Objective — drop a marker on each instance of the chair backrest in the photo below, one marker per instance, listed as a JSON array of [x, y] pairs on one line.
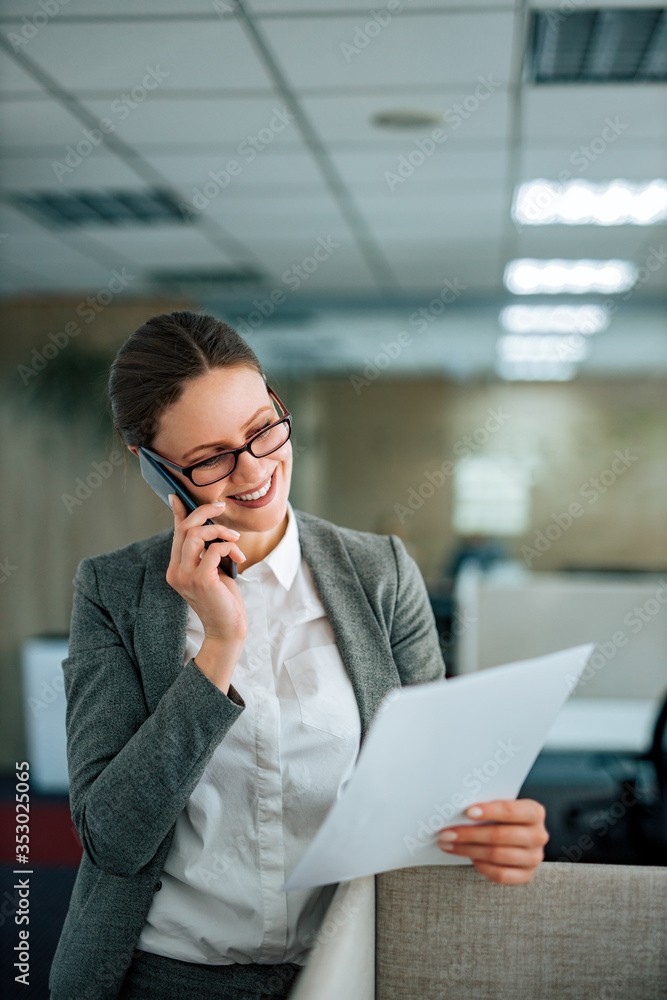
[[590, 932]]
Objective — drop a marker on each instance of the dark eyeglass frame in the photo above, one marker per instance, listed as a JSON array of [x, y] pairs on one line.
[[188, 470]]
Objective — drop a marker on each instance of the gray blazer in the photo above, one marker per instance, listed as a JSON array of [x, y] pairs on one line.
[[141, 727]]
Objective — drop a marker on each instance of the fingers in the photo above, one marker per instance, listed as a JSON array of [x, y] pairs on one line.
[[207, 572], [193, 550], [510, 811], [516, 857], [497, 833], [190, 533]]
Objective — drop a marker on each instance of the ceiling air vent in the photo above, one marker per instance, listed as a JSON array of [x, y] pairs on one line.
[[210, 279], [65, 209], [598, 46]]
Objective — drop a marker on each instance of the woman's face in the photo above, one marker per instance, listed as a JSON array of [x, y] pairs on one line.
[[218, 411]]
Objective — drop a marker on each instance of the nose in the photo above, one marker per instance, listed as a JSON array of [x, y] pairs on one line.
[[249, 470]]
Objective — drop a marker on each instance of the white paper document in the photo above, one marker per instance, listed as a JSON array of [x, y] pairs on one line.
[[433, 750]]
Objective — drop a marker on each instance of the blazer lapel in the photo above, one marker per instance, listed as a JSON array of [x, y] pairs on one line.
[[161, 625], [364, 646]]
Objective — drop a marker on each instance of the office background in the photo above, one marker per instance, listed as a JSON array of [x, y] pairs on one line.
[[383, 200]]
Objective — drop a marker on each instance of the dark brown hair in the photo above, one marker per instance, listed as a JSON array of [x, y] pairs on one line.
[[152, 367]]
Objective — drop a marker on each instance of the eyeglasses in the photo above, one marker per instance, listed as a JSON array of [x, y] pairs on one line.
[[219, 466]]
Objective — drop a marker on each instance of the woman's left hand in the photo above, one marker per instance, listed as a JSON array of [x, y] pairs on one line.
[[510, 847]]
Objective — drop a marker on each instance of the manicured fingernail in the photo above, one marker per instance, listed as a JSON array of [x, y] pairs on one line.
[[447, 847], [170, 498], [233, 532], [448, 835], [473, 812], [219, 503]]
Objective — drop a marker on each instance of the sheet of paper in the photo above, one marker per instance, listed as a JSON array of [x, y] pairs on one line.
[[432, 750]]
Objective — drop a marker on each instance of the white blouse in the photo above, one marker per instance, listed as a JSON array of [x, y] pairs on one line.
[[268, 786]]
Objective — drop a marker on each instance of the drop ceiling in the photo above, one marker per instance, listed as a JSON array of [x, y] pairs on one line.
[[305, 77]]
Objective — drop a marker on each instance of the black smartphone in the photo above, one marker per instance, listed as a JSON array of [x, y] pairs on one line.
[[163, 483]]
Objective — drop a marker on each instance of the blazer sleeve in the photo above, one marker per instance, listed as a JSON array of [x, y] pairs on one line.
[[130, 772], [414, 636]]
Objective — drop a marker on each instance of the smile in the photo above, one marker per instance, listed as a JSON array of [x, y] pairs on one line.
[[257, 494]]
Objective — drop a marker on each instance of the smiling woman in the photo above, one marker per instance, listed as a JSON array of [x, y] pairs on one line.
[[212, 722]]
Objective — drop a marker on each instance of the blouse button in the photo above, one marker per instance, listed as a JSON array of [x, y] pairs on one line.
[[158, 885]]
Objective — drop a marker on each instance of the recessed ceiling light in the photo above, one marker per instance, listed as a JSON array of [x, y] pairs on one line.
[[546, 347], [407, 118], [554, 319], [529, 277], [583, 203]]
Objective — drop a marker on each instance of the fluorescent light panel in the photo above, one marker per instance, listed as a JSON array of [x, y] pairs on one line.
[[527, 276], [554, 319], [584, 203]]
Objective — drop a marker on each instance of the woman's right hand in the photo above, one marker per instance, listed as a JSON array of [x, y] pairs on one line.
[[209, 591]]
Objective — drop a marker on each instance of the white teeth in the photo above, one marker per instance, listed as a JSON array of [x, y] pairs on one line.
[[257, 494]]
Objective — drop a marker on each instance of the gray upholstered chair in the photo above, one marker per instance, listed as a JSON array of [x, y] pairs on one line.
[[575, 932]]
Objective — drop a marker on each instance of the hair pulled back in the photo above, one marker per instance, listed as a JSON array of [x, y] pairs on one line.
[[152, 367]]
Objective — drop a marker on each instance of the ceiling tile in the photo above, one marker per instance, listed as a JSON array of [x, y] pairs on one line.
[[13, 79], [270, 166], [156, 54], [284, 8], [603, 116], [55, 259], [379, 169], [64, 170], [244, 127], [306, 225], [348, 118], [482, 212], [596, 242], [429, 50], [38, 123], [635, 160], [149, 248], [83, 8]]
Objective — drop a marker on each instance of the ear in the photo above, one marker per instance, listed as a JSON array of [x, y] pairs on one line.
[[133, 448]]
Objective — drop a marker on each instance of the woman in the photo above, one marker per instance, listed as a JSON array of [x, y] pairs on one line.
[[211, 722]]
